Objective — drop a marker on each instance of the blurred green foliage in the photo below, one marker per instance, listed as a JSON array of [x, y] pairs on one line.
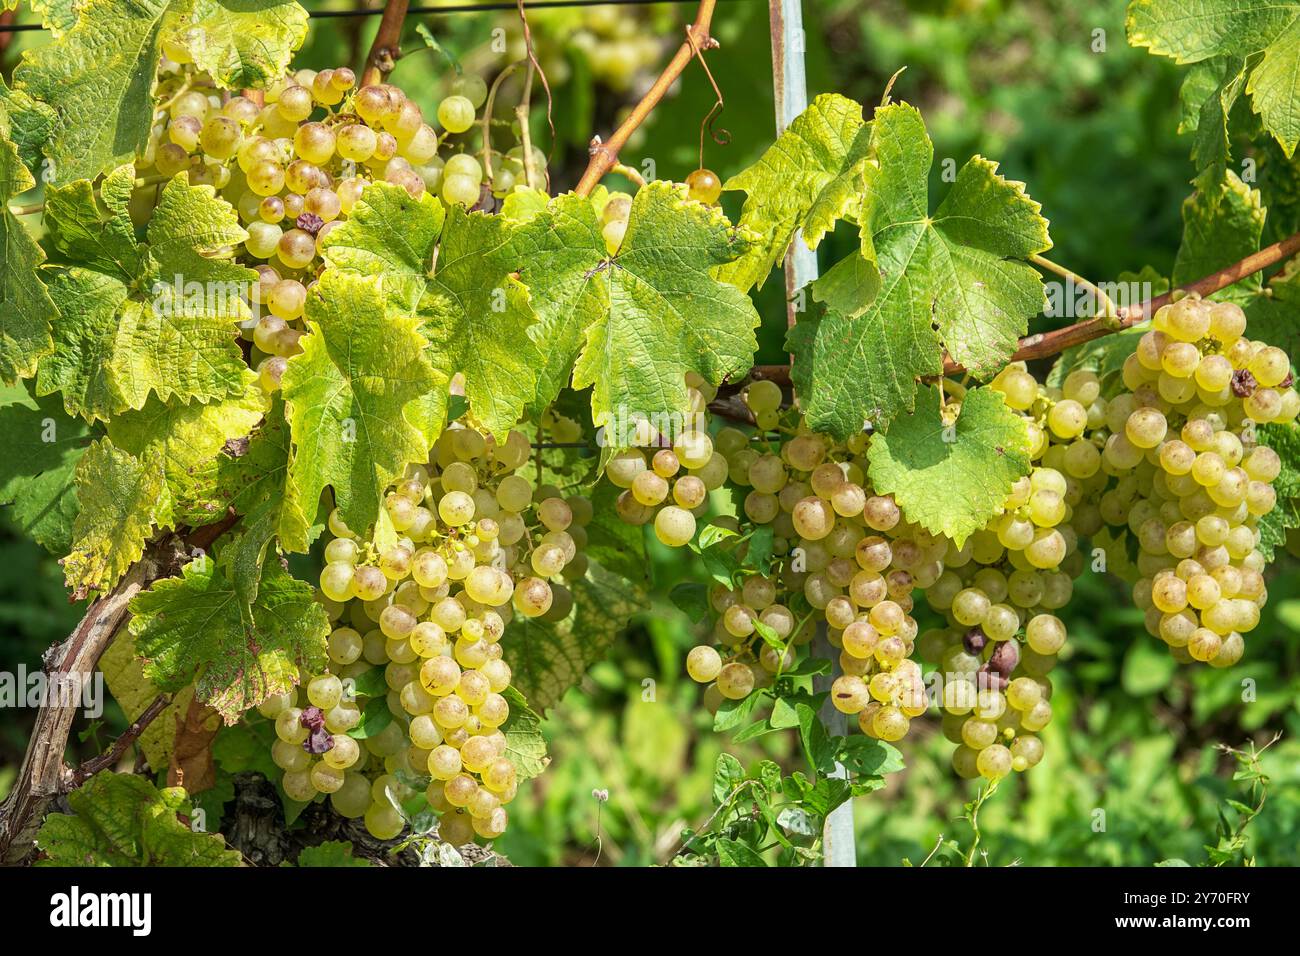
[[1050, 89]]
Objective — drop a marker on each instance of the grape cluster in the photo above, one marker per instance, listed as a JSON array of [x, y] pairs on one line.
[[474, 543], [295, 165], [1193, 478], [999, 590], [1174, 460], [684, 467], [841, 555]]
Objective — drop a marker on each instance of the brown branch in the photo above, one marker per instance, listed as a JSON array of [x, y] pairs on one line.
[[387, 48], [605, 154], [1052, 343], [110, 757]]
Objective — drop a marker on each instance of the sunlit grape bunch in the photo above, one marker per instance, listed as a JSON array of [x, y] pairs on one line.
[[1000, 588], [1193, 476], [841, 557], [470, 543], [294, 164], [682, 466]]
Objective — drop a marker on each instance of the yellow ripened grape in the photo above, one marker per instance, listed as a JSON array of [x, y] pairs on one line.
[[704, 186]]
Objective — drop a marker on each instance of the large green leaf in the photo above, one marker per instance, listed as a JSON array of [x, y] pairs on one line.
[[198, 628], [1192, 31], [636, 322], [812, 175], [472, 307], [361, 365], [124, 331], [119, 819], [951, 478], [953, 280], [244, 43], [121, 498], [662, 312], [98, 77]]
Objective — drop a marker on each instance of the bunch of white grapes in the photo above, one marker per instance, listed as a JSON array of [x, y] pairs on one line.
[[1193, 478], [294, 161], [666, 475], [1000, 588], [473, 543]]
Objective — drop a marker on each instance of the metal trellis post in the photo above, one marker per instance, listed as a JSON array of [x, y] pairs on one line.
[[790, 86]]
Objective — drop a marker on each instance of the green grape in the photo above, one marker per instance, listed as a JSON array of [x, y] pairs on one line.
[[456, 114]]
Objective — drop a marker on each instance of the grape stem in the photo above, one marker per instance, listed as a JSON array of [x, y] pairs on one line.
[[1108, 309], [522, 110], [637, 179], [110, 757], [387, 48], [604, 154], [487, 116], [1047, 344], [1057, 341]]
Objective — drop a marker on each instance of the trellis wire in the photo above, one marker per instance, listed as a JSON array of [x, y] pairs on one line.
[[451, 8], [790, 88]]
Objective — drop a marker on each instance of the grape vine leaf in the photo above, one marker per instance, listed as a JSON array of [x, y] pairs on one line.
[[812, 175], [139, 319], [244, 43], [98, 77], [951, 478], [250, 473], [124, 676], [31, 124], [121, 819], [639, 320], [1285, 440], [472, 309], [197, 627], [25, 305], [42, 447], [345, 393], [1209, 93], [525, 745], [57, 16], [549, 657], [188, 437], [951, 280], [1222, 224], [121, 498], [1191, 31], [331, 853]]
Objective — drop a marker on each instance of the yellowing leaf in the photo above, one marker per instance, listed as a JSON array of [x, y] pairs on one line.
[[197, 628], [122, 498], [345, 394], [99, 78], [119, 819], [139, 319]]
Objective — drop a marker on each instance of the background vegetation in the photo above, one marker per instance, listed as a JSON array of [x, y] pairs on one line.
[[1091, 125]]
